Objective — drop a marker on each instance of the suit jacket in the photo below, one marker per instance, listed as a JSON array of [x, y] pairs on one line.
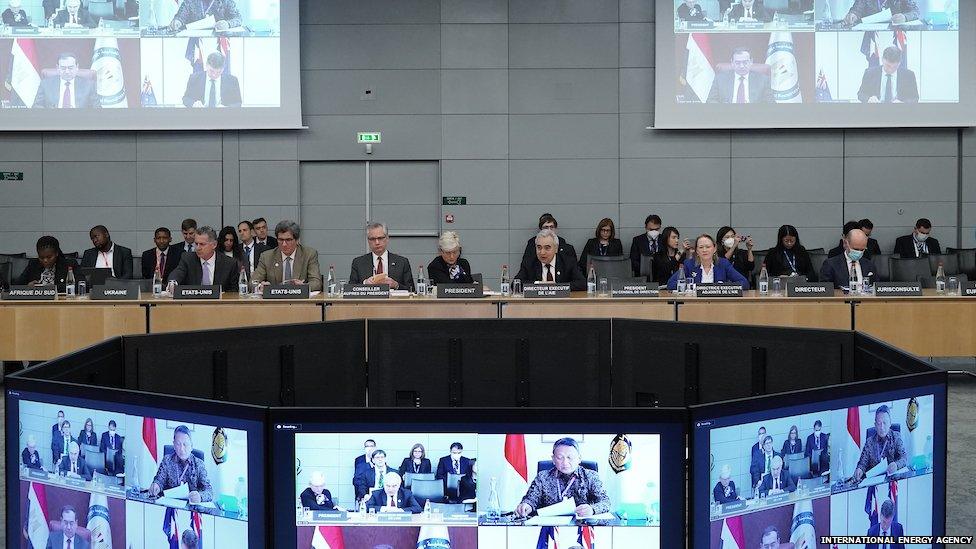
[[90, 440], [663, 266], [811, 446], [444, 466], [50, 7], [56, 541], [121, 260], [777, 265], [404, 500], [722, 271], [785, 482], [406, 466], [270, 242], [271, 268], [641, 245], [592, 248], [50, 91], [85, 19], [360, 460], [222, 10], [905, 246], [759, 13], [106, 440], [719, 493], [31, 460], [835, 270], [796, 448], [34, 270], [565, 249], [863, 8], [365, 478], [84, 471], [230, 89], [309, 501], [57, 445], [439, 273], [190, 272], [871, 84], [256, 252], [725, 83], [690, 14], [15, 19], [398, 269], [173, 254], [758, 465], [897, 530], [566, 271]]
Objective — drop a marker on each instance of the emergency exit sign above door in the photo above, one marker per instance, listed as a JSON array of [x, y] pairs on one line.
[[369, 137]]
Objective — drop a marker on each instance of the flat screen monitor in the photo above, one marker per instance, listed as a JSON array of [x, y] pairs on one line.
[[864, 459], [467, 478], [109, 468]]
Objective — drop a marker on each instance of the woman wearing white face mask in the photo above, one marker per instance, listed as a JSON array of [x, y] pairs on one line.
[[728, 247]]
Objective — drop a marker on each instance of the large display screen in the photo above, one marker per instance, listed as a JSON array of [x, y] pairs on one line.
[[814, 63], [479, 479], [107, 474], [868, 465], [153, 64]]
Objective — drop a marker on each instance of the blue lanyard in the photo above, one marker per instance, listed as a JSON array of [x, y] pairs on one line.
[[792, 262]]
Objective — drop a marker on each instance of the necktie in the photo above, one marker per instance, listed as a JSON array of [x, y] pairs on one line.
[[888, 98], [457, 468], [549, 273], [379, 265], [212, 99], [162, 262], [69, 544], [288, 273], [112, 443], [207, 279], [74, 467], [854, 268], [742, 90], [776, 483], [749, 13], [74, 19], [884, 534], [66, 99], [390, 502], [379, 479]]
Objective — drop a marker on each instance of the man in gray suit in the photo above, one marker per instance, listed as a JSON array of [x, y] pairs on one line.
[[379, 266], [741, 85], [68, 536], [290, 262]]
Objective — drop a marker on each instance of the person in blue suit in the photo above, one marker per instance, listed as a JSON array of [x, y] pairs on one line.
[[887, 527], [838, 269], [705, 267]]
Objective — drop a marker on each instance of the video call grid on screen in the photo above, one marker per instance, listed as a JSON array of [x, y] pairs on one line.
[[804, 63], [324, 458], [105, 474], [152, 64], [735, 497]]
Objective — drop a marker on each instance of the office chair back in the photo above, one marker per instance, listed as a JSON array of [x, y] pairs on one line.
[[817, 260], [408, 478], [168, 449], [950, 263], [929, 281], [882, 262], [647, 267], [611, 266], [95, 459], [967, 260], [909, 269], [428, 490]]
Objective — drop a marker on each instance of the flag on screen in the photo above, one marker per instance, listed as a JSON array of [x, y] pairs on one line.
[[851, 442], [148, 96], [170, 528], [869, 47], [547, 538], [515, 474], [699, 73], [823, 88], [783, 74], [733, 536], [147, 453], [223, 46], [35, 525], [328, 537], [98, 522], [196, 522], [194, 54], [893, 496], [434, 537], [899, 39], [24, 78], [109, 82], [158, 13], [586, 537], [803, 532]]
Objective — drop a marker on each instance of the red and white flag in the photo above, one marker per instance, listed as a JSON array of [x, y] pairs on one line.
[[25, 77], [35, 527], [328, 537], [851, 442], [733, 536], [147, 453], [515, 475], [699, 73]]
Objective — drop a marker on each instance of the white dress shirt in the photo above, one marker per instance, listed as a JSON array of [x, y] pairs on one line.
[[71, 87], [735, 87], [106, 260], [386, 262], [708, 275], [211, 264]]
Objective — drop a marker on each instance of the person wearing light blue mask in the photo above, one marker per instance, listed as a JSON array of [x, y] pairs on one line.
[[839, 269]]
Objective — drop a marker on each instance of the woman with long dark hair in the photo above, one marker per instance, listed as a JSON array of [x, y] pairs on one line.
[[788, 257]]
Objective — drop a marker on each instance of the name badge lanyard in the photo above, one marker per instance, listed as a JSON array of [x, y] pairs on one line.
[[791, 262], [564, 491]]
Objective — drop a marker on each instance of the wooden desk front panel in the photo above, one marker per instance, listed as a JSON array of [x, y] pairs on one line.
[[179, 317], [925, 327], [796, 313], [42, 331], [579, 308], [413, 308]]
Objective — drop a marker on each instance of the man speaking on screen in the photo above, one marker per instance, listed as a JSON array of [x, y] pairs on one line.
[[66, 90], [213, 87], [902, 11], [224, 12]]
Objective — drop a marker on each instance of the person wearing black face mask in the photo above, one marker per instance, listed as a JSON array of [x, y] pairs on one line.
[[789, 257], [647, 243]]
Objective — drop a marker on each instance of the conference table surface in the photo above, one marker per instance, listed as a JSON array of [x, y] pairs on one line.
[[930, 325]]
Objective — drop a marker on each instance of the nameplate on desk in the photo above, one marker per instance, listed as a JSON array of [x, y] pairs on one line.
[[968, 289], [810, 289], [897, 288], [546, 290], [330, 516], [719, 290], [31, 293], [197, 292], [778, 498], [286, 291], [734, 506], [25, 30], [460, 290], [101, 293], [366, 291], [697, 25], [76, 482], [395, 517], [74, 32], [39, 474], [460, 517], [640, 289], [744, 25]]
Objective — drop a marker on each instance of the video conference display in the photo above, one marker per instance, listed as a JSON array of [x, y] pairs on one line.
[[725, 63], [101, 475], [220, 63], [865, 467]]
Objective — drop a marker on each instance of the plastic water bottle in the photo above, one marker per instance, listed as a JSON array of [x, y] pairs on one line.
[[763, 281], [421, 282], [940, 280], [69, 282], [242, 282], [240, 492], [330, 283], [157, 284], [866, 287], [682, 286], [362, 507], [494, 510], [591, 282], [427, 511], [505, 285]]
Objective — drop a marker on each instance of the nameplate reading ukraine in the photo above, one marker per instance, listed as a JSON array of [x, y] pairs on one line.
[[968, 289], [104, 293], [897, 289], [810, 289], [546, 290], [286, 291], [197, 292], [719, 290], [366, 291], [641, 289], [31, 293], [460, 291]]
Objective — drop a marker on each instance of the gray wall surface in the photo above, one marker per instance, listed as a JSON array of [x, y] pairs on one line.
[[522, 106]]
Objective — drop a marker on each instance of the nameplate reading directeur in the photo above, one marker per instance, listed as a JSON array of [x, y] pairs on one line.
[[897, 289], [30, 293], [460, 291], [366, 291], [547, 290], [105, 293], [286, 291], [719, 290], [643, 289], [810, 289], [197, 292]]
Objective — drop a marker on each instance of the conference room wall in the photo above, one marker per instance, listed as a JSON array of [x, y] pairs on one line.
[[529, 106]]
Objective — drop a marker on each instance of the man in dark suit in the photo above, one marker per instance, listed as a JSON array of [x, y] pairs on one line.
[[107, 254], [68, 535], [920, 243], [886, 527], [206, 266], [453, 463], [838, 269], [189, 229], [250, 249], [392, 498], [873, 247], [750, 10], [371, 476], [840, 249], [380, 266], [73, 464], [61, 442], [110, 440], [645, 243], [56, 449], [212, 88], [547, 221], [762, 463], [261, 233], [50, 7], [75, 15], [902, 11], [362, 459], [66, 90], [778, 481], [224, 12], [741, 85], [13, 16], [163, 257], [889, 83], [550, 266], [316, 497], [816, 449]]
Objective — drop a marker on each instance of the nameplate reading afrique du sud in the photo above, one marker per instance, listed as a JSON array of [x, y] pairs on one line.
[[968, 289], [460, 291], [30, 293], [897, 288], [366, 291], [638, 289], [719, 290], [120, 293], [810, 289], [286, 291], [197, 292], [546, 290]]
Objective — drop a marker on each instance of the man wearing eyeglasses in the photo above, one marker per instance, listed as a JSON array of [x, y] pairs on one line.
[[741, 85], [380, 266], [291, 262]]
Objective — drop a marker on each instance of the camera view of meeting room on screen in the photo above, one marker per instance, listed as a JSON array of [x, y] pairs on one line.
[[862, 469]]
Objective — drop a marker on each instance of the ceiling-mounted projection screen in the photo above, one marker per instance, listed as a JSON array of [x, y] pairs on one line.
[[814, 63], [151, 64]]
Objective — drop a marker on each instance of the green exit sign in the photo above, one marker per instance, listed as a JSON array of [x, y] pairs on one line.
[[369, 137], [11, 176]]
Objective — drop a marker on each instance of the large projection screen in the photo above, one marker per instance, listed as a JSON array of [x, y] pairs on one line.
[[814, 64], [151, 65]]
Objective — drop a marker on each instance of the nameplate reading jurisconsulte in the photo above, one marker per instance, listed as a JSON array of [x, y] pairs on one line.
[[286, 291], [897, 289], [197, 292], [30, 293], [547, 290]]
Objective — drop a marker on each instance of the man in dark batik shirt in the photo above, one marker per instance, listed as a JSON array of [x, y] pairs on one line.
[[225, 13], [567, 480], [886, 443], [182, 467]]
